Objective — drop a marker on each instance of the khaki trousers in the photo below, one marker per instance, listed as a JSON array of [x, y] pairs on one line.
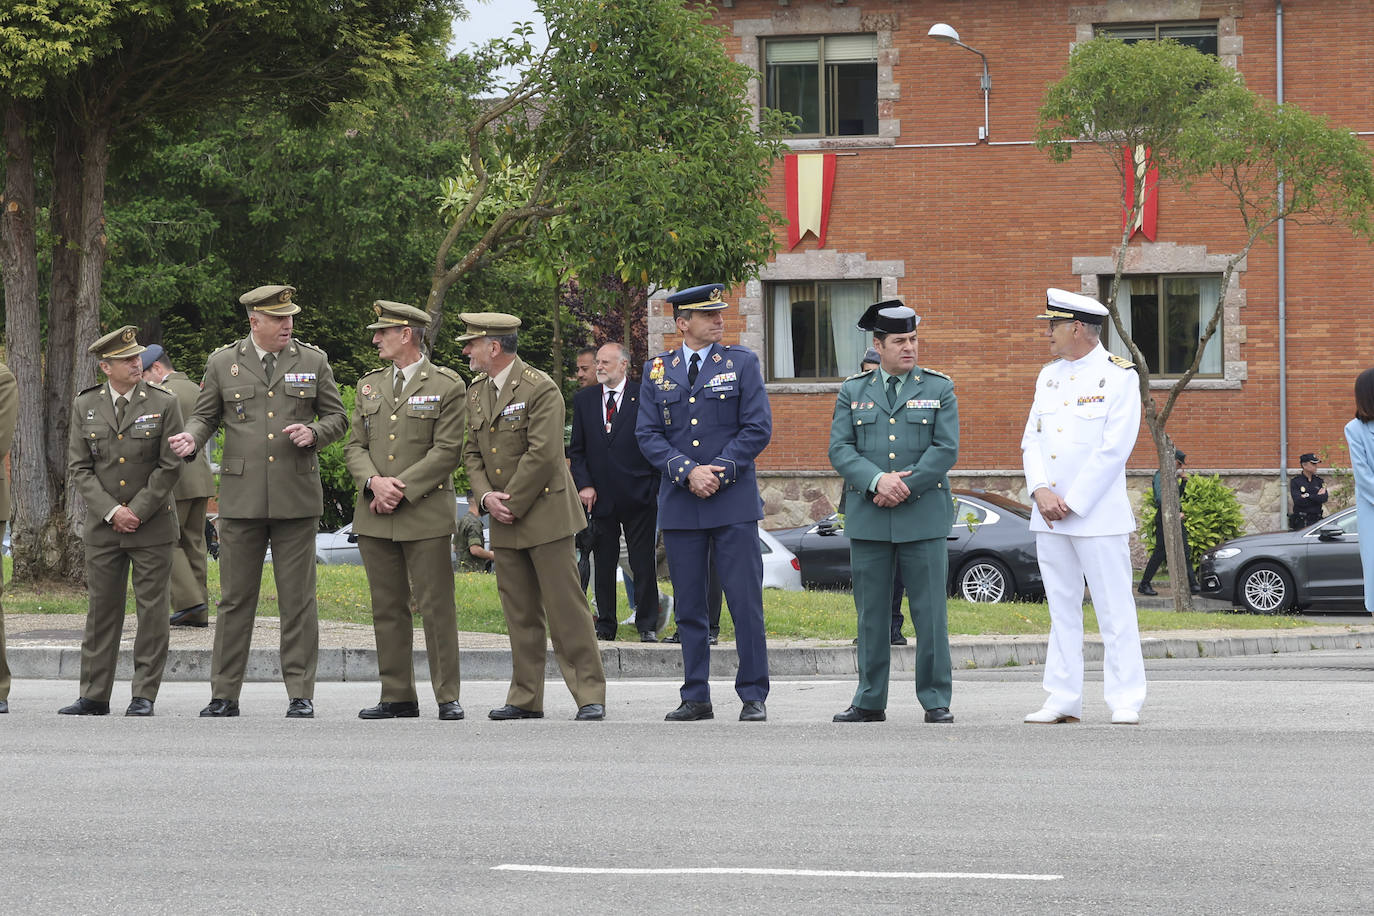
[[107, 580], [188, 556], [395, 571], [539, 584], [242, 544]]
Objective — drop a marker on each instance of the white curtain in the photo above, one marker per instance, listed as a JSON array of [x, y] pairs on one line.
[[847, 304], [784, 365], [1123, 305], [1209, 291]]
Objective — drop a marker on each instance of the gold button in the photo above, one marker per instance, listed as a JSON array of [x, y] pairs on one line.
[[120, 436], [696, 442], [892, 454], [892, 419], [498, 472], [858, 422], [271, 394], [1061, 429], [691, 400], [546, 489], [390, 457], [271, 457], [393, 416], [722, 397], [1066, 403], [270, 415], [271, 435], [237, 395], [493, 451], [694, 421], [1052, 457], [939, 486], [92, 435], [121, 460], [891, 438], [925, 421], [392, 436]]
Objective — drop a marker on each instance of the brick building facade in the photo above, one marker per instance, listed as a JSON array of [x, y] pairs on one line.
[[970, 231]]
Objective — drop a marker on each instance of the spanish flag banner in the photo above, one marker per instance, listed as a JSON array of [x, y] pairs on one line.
[[810, 179], [1138, 167]]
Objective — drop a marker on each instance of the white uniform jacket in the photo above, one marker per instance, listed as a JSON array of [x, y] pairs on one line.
[[1083, 425]]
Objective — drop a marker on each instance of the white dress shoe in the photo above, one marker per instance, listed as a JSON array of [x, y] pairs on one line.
[[1125, 717], [1048, 716]]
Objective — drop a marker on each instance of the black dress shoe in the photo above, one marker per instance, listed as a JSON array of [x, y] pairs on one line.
[[753, 711], [301, 708], [515, 712], [940, 715], [198, 616], [220, 709], [690, 711], [898, 639], [1146, 588], [4, 707], [856, 714], [85, 707], [606, 637], [590, 712], [712, 640], [648, 636], [402, 709], [451, 711], [674, 639], [139, 707]]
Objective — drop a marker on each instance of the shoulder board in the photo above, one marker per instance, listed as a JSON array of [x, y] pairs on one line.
[[1052, 362], [309, 346], [864, 374], [445, 370], [160, 387], [479, 377], [373, 372], [929, 371], [95, 387], [1121, 361], [535, 375], [225, 347]]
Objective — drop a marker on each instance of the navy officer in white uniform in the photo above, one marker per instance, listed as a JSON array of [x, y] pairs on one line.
[[1083, 425]]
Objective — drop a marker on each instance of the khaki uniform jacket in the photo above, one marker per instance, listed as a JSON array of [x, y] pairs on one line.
[[196, 481], [263, 474], [515, 445], [129, 464], [9, 415], [416, 436]]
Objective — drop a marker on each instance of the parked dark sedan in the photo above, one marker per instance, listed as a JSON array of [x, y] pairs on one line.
[[991, 550], [1315, 567]]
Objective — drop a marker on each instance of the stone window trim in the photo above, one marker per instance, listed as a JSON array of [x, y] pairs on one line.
[[827, 20], [1171, 258], [1230, 45]]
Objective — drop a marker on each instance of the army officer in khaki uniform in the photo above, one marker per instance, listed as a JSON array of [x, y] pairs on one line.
[[514, 458], [406, 442], [119, 458], [192, 493], [276, 399]]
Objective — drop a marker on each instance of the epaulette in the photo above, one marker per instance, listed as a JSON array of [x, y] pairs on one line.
[[310, 346], [373, 372], [1121, 361], [445, 370], [95, 387], [158, 386], [863, 373], [225, 347], [536, 375], [479, 377], [1052, 362], [929, 371]]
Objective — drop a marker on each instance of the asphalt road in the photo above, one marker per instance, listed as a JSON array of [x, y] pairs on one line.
[[1245, 790]]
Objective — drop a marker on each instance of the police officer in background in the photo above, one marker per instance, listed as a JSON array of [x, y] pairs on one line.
[[276, 399], [1082, 427], [703, 420], [406, 442], [893, 438], [120, 460], [514, 459], [192, 493], [1308, 492]]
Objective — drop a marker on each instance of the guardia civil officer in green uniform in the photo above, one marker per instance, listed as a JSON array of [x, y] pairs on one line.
[[893, 439], [192, 493], [277, 402], [405, 444], [514, 459], [120, 460]]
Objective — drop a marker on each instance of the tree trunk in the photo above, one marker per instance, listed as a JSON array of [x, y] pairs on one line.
[[1171, 512], [557, 355]]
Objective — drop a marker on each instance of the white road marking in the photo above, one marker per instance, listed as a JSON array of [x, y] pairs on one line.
[[776, 872]]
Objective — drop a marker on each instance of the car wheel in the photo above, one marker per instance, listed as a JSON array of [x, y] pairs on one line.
[[1266, 588], [984, 580]]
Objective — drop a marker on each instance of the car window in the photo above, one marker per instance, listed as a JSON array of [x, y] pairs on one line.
[[763, 546], [966, 512], [1349, 523]]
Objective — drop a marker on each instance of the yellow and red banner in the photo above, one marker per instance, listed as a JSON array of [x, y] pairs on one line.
[[809, 179], [1137, 169]]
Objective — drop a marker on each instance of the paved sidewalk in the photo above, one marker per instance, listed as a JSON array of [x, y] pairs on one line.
[[49, 646]]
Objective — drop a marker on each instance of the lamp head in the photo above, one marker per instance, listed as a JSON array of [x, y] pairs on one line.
[[943, 32]]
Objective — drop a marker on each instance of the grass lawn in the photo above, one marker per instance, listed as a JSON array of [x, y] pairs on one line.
[[343, 595]]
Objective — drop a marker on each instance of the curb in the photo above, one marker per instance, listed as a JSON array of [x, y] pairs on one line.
[[336, 664]]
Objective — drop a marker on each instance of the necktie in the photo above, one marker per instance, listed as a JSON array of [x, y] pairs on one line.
[[121, 402], [269, 362], [892, 383], [693, 369], [610, 409], [398, 382]]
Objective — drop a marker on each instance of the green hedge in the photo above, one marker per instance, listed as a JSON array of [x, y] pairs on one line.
[[1211, 514]]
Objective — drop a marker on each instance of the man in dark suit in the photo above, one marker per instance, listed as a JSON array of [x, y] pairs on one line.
[[704, 421], [619, 487]]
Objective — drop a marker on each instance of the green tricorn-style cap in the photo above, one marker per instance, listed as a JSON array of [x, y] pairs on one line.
[[487, 324], [271, 300], [397, 315], [119, 344]]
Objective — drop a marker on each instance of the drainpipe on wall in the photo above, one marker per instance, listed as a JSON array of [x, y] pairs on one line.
[[1283, 297]]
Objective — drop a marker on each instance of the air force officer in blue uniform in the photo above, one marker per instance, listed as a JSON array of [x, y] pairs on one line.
[[703, 419]]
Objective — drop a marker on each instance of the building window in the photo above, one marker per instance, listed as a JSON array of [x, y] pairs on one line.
[[1199, 35], [1165, 315], [811, 328], [829, 83]]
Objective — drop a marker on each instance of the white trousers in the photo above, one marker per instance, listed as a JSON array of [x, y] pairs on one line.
[[1105, 563]]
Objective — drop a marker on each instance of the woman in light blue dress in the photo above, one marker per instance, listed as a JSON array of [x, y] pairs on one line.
[[1359, 435]]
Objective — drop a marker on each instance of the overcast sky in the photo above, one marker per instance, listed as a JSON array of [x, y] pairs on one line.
[[495, 19]]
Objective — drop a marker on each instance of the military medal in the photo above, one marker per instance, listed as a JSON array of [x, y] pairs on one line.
[[367, 390], [715, 357], [656, 370], [234, 370]]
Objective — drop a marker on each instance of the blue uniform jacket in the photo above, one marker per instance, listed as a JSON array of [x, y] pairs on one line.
[[723, 420]]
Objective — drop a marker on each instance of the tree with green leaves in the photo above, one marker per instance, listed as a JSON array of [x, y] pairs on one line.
[[1171, 108], [80, 79], [625, 149]]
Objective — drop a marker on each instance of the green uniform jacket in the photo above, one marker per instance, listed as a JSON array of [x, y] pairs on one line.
[[417, 437], [196, 481], [9, 415], [129, 464], [263, 474], [515, 444], [920, 435]]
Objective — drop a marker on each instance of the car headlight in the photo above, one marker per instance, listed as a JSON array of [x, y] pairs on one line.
[[1225, 553]]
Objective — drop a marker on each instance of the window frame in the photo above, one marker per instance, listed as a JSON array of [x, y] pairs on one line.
[[1161, 329], [827, 101], [771, 340], [1109, 28]]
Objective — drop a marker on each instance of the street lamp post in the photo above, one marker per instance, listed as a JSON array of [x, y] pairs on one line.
[[946, 33]]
